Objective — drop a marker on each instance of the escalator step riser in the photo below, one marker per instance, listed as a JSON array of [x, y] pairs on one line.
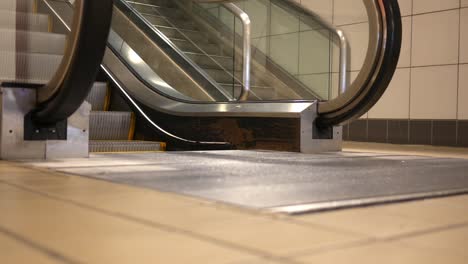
[[32, 42], [264, 93], [26, 6], [187, 46], [220, 76], [157, 20], [24, 21], [119, 146], [193, 35], [29, 67], [163, 3], [206, 62], [110, 125], [97, 96]]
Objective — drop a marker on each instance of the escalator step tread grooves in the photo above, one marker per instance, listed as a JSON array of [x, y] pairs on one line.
[[38, 57], [112, 131], [125, 146], [210, 55]]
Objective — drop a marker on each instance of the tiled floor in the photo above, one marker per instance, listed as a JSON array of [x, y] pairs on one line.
[[48, 217]]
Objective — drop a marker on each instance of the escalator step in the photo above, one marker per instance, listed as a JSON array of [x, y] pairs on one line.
[[187, 46], [163, 3], [24, 21], [209, 61], [125, 146], [110, 125], [98, 96], [30, 67], [31, 42]]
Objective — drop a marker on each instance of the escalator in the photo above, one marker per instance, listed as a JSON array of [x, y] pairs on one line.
[[215, 75]]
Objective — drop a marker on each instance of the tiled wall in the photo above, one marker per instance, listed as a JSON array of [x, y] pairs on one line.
[[303, 49], [427, 101]]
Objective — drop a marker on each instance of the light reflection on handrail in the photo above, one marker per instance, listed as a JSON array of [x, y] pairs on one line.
[[247, 49]]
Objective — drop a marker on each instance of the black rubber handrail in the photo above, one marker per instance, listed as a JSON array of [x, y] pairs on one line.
[[69, 87]]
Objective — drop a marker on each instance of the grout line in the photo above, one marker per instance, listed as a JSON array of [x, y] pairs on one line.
[[156, 225], [375, 240], [436, 11], [458, 74], [408, 136], [426, 232], [31, 244]]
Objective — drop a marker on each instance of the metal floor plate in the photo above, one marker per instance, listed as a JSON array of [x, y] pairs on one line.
[[279, 181]]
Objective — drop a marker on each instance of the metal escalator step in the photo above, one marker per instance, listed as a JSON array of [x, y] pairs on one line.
[[187, 46], [208, 62], [24, 21], [164, 3], [113, 125], [172, 32], [97, 146], [17, 5], [98, 96], [258, 92], [156, 20], [220, 75], [28, 67], [32, 42]]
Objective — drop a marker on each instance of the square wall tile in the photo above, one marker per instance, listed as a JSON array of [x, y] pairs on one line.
[[405, 53], [420, 132], [462, 133], [261, 44], [377, 130], [358, 130], [464, 3], [444, 133], [283, 21], [394, 104], [314, 50], [464, 35], [324, 8], [318, 83], [349, 12], [463, 93], [258, 12], [435, 38], [434, 92], [406, 7], [398, 131], [424, 6], [284, 50], [358, 38]]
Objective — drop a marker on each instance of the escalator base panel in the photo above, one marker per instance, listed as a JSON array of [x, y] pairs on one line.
[[279, 181], [125, 146]]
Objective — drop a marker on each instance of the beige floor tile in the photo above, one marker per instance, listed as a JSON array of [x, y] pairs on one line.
[[276, 237], [438, 211], [92, 237], [14, 252], [265, 261], [451, 241], [247, 230], [384, 253], [371, 221]]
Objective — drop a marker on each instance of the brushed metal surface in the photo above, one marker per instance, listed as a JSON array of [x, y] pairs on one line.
[[269, 180], [16, 103], [76, 145]]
